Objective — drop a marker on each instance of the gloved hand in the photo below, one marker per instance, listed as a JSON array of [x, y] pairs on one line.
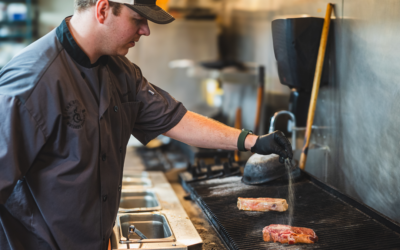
[[274, 143]]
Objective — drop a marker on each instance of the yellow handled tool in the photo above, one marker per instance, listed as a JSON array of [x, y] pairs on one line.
[[316, 83]]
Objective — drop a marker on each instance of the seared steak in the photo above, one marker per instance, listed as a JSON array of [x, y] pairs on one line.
[[289, 234], [262, 204]]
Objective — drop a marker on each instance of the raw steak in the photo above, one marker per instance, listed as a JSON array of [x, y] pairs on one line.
[[262, 204], [288, 234]]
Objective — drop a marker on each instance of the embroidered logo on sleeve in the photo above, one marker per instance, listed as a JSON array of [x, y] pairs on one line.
[[151, 92], [74, 115]]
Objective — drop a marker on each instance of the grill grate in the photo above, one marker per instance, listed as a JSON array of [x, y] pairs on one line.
[[337, 224]]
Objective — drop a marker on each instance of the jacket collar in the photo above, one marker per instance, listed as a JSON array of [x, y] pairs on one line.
[[66, 39]]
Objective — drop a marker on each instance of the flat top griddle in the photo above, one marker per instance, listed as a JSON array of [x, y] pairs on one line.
[[338, 221]]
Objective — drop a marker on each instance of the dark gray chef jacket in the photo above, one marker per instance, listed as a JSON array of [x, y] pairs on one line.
[[64, 128]]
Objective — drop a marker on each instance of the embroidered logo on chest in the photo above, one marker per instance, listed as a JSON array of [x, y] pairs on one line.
[[74, 115]]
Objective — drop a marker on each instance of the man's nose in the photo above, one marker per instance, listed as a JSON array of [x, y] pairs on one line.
[[145, 30]]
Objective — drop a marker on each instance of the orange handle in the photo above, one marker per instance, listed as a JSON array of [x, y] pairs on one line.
[[316, 83]]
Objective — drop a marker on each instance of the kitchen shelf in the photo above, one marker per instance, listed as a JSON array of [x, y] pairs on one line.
[[15, 35], [29, 23]]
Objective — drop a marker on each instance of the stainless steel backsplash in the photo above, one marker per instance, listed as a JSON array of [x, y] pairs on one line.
[[360, 104]]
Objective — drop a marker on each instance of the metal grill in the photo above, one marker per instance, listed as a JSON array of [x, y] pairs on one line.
[[338, 221]]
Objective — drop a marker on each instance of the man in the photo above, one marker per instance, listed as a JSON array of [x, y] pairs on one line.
[[68, 105]]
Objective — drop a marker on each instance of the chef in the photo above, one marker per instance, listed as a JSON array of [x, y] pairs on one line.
[[68, 105]]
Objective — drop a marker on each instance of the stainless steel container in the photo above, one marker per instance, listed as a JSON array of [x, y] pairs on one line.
[[136, 201], [136, 183], [154, 226]]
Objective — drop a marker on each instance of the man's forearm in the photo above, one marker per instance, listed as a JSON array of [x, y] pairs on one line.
[[203, 132]]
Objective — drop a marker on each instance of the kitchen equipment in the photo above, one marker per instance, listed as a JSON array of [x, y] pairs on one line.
[[138, 201], [202, 171], [129, 183], [221, 64], [316, 84], [154, 226], [165, 158], [261, 169], [296, 41], [339, 221], [133, 230], [170, 228], [291, 125]]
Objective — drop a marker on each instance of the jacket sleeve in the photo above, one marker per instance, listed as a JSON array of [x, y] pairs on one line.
[[20, 141], [158, 113]]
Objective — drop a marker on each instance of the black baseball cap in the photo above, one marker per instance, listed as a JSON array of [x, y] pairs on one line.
[[148, 9]]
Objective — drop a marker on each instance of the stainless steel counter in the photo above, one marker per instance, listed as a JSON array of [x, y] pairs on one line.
[[185, 233], [181, 212]]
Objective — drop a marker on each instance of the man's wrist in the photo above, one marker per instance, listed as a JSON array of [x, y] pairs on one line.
[[250, 141], [241, 142]]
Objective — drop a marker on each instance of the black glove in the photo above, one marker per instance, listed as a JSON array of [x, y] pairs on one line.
[[274, 143]]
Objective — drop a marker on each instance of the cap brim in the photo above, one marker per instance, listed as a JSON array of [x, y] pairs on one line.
[[152, 13]]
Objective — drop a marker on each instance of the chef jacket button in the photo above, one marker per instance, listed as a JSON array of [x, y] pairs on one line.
[[116, 108], [104, 157], [120, 149], [104, 238], [83, 75], [119, 188], [104, 197]]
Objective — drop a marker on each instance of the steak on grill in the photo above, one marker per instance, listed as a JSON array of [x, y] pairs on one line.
[[289, 234], [262, 204]]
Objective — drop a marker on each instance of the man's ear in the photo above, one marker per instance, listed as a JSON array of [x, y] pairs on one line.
[[102, 10]]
